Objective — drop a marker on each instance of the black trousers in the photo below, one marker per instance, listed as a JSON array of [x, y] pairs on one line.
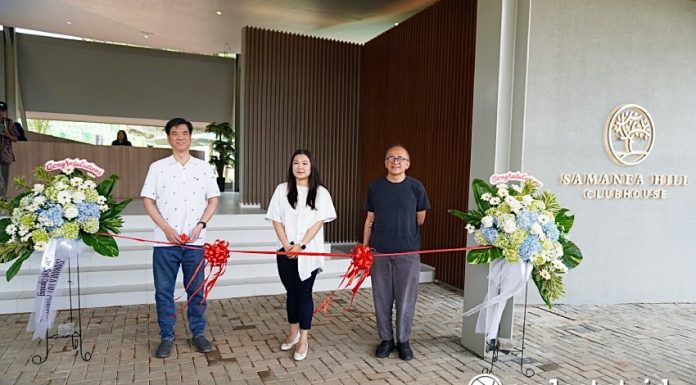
[[299, 304]]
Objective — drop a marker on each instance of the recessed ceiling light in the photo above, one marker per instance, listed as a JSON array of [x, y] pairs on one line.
[[68, 22], [396, 23], [146, 36], [218, 12]]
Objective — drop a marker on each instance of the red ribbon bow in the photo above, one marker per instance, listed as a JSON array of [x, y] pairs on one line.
[[358, 271], [184, 238], [216, 256]]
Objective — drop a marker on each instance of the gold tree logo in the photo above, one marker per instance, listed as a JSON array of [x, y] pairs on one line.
[[629, 134]]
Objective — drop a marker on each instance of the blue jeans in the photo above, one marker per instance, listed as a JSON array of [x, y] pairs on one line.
[[165, 267], [299, 304]]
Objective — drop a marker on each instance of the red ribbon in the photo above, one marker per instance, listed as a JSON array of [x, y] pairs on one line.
[[361, 256], [184, 238], [358, 271], [215, 257]]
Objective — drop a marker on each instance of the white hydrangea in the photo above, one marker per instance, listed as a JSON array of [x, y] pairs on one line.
[[514, 204], [558, 251], [39, 200], [544, 219], [509, 226], [60, 186], [38, 188], [536, 229], [487, 221], [527, 199], [78, 196], [71, 212]]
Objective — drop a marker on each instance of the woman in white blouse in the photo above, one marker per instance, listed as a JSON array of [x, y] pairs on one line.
[[298, 209]]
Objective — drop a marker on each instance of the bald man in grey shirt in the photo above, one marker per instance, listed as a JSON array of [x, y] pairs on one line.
[[396, 206]]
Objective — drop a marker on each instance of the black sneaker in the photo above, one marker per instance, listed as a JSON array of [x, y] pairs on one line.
[[405, 352], [385, 348], [164, 349], [202, 344]]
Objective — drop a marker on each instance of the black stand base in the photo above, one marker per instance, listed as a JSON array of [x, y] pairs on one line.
[[76, 336], [493, 346]]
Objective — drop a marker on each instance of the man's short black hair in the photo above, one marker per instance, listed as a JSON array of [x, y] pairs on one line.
[[176, 122]]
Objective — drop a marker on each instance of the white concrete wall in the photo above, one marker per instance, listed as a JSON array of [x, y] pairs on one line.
[[585, 58]]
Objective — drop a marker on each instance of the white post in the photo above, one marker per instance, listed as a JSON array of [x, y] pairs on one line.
[[502, 37]]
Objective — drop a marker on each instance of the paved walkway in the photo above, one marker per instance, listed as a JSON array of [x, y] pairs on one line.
[[574, 344]]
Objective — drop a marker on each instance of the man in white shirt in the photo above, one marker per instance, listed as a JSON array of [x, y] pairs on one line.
[[180, 195]]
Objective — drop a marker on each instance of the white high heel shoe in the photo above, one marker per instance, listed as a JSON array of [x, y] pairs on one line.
[[286, 347], [300, 356]]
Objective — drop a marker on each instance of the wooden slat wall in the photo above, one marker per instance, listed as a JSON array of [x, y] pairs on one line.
[[301, 92], [417, 90]]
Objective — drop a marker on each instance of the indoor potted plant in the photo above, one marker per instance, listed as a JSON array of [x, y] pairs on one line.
[[222, 149]]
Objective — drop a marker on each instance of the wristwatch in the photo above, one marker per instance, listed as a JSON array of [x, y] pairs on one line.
[[302, 245], [202, 223]]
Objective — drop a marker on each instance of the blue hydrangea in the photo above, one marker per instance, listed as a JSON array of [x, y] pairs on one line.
[[526, 219], [87, 210], [490, 233], [53, 213], [551, 231], [529, 246]]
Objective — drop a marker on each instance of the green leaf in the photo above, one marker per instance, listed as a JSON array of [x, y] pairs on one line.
[[564, 221], [480, 187], [101, 244], [542, 293], [107, 186], [16, 199], [472, 217], [550, 201], [14, 269], [572, 256], [4, 237], [479, 256], [117, 208]]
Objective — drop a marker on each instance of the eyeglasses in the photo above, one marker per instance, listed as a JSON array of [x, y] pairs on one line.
[[396, 159]]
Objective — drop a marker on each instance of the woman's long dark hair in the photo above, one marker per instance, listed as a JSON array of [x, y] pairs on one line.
[[314, 181]]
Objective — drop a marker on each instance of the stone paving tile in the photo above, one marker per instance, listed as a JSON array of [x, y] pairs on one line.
[[570, 344]]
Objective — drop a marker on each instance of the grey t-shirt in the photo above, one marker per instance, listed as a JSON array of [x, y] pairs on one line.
[[395, 228]]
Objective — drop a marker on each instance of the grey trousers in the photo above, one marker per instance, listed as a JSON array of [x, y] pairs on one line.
[[395, 282], [4, 178]]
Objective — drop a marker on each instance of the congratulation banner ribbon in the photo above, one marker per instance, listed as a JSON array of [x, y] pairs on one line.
[[216, 255]]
